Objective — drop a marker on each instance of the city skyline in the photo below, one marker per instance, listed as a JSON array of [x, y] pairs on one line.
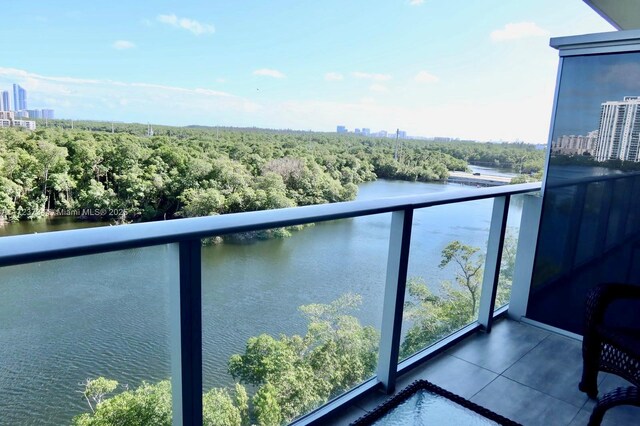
[[20, 106], [616, 138], [389, 64]]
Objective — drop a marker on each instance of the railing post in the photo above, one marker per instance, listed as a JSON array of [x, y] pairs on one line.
[[396, 282], [186, 327], [491, 277], [525, 256]]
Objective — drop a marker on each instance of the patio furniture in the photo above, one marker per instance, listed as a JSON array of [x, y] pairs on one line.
[[611, 346]]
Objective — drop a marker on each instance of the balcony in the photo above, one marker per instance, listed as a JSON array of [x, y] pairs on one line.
[[514, 366], [521, 371]]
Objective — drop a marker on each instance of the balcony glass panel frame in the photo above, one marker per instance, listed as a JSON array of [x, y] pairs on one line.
[[187, 235]]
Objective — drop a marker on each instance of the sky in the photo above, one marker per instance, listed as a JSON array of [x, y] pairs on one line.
[[471, 69]]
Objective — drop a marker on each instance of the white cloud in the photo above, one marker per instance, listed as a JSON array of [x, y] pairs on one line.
[[333, 76], [371, 76], [376, 87], [192, 25], [522, 117], [266, 72], [513, 31], [221, 80], [416, 2], [123, 44], [126, 101], [14, 72], [425, 77]]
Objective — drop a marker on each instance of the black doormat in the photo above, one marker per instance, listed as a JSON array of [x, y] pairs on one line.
[[423, 403]]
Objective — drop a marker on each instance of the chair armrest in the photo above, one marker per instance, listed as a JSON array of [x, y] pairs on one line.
[[601, 296]]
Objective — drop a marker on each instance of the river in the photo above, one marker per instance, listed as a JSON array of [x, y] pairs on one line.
[[63, 321]]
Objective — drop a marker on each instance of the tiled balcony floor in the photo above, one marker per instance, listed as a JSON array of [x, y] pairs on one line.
[[525, 373]]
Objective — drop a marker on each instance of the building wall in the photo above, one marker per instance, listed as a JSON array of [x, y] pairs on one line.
[[619, 131]]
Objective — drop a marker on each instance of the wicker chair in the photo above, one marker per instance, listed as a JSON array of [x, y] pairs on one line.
[[609, 348]]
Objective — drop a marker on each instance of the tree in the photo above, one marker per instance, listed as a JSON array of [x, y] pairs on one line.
[[469, 269], [300, 373], [219, 408], [49, 155], [95, 390], [266, 406], [150, 405], [434, 316]]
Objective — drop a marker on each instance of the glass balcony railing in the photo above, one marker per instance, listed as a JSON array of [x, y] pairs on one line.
[[329, 309], [66, 323]]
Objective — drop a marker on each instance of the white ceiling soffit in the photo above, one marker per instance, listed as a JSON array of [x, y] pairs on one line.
[[622, 14]]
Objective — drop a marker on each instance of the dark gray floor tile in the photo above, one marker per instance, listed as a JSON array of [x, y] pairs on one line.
[[581, 419], [375, 399], [457, 376], [524, 405], [450, 373], [352, 414], [618, 416], [500, 349], [553, 367]]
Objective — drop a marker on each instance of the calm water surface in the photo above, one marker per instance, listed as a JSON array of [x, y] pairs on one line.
[[63, 321]]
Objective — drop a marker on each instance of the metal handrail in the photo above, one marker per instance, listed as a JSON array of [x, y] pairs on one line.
[[20, 249]]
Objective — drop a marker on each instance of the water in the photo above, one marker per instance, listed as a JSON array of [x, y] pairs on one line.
[[63, 321]]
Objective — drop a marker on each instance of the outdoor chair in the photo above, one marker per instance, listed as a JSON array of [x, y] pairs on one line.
[[611, 345]]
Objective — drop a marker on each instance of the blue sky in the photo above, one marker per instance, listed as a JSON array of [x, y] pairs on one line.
[[478, 69]]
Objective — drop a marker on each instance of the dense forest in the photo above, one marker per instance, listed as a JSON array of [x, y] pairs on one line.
[[99, 170]]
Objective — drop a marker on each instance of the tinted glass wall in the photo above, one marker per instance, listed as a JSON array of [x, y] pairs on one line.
[[590, 216]]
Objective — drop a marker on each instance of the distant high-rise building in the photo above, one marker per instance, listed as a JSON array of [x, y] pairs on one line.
[[382, 133], [47, 113], [341, 129], [356, 131], [619, 131], [366, 131], [15, 97], [34, 113], [575, 144], [402, 134], [4, 101], [19, 98]]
